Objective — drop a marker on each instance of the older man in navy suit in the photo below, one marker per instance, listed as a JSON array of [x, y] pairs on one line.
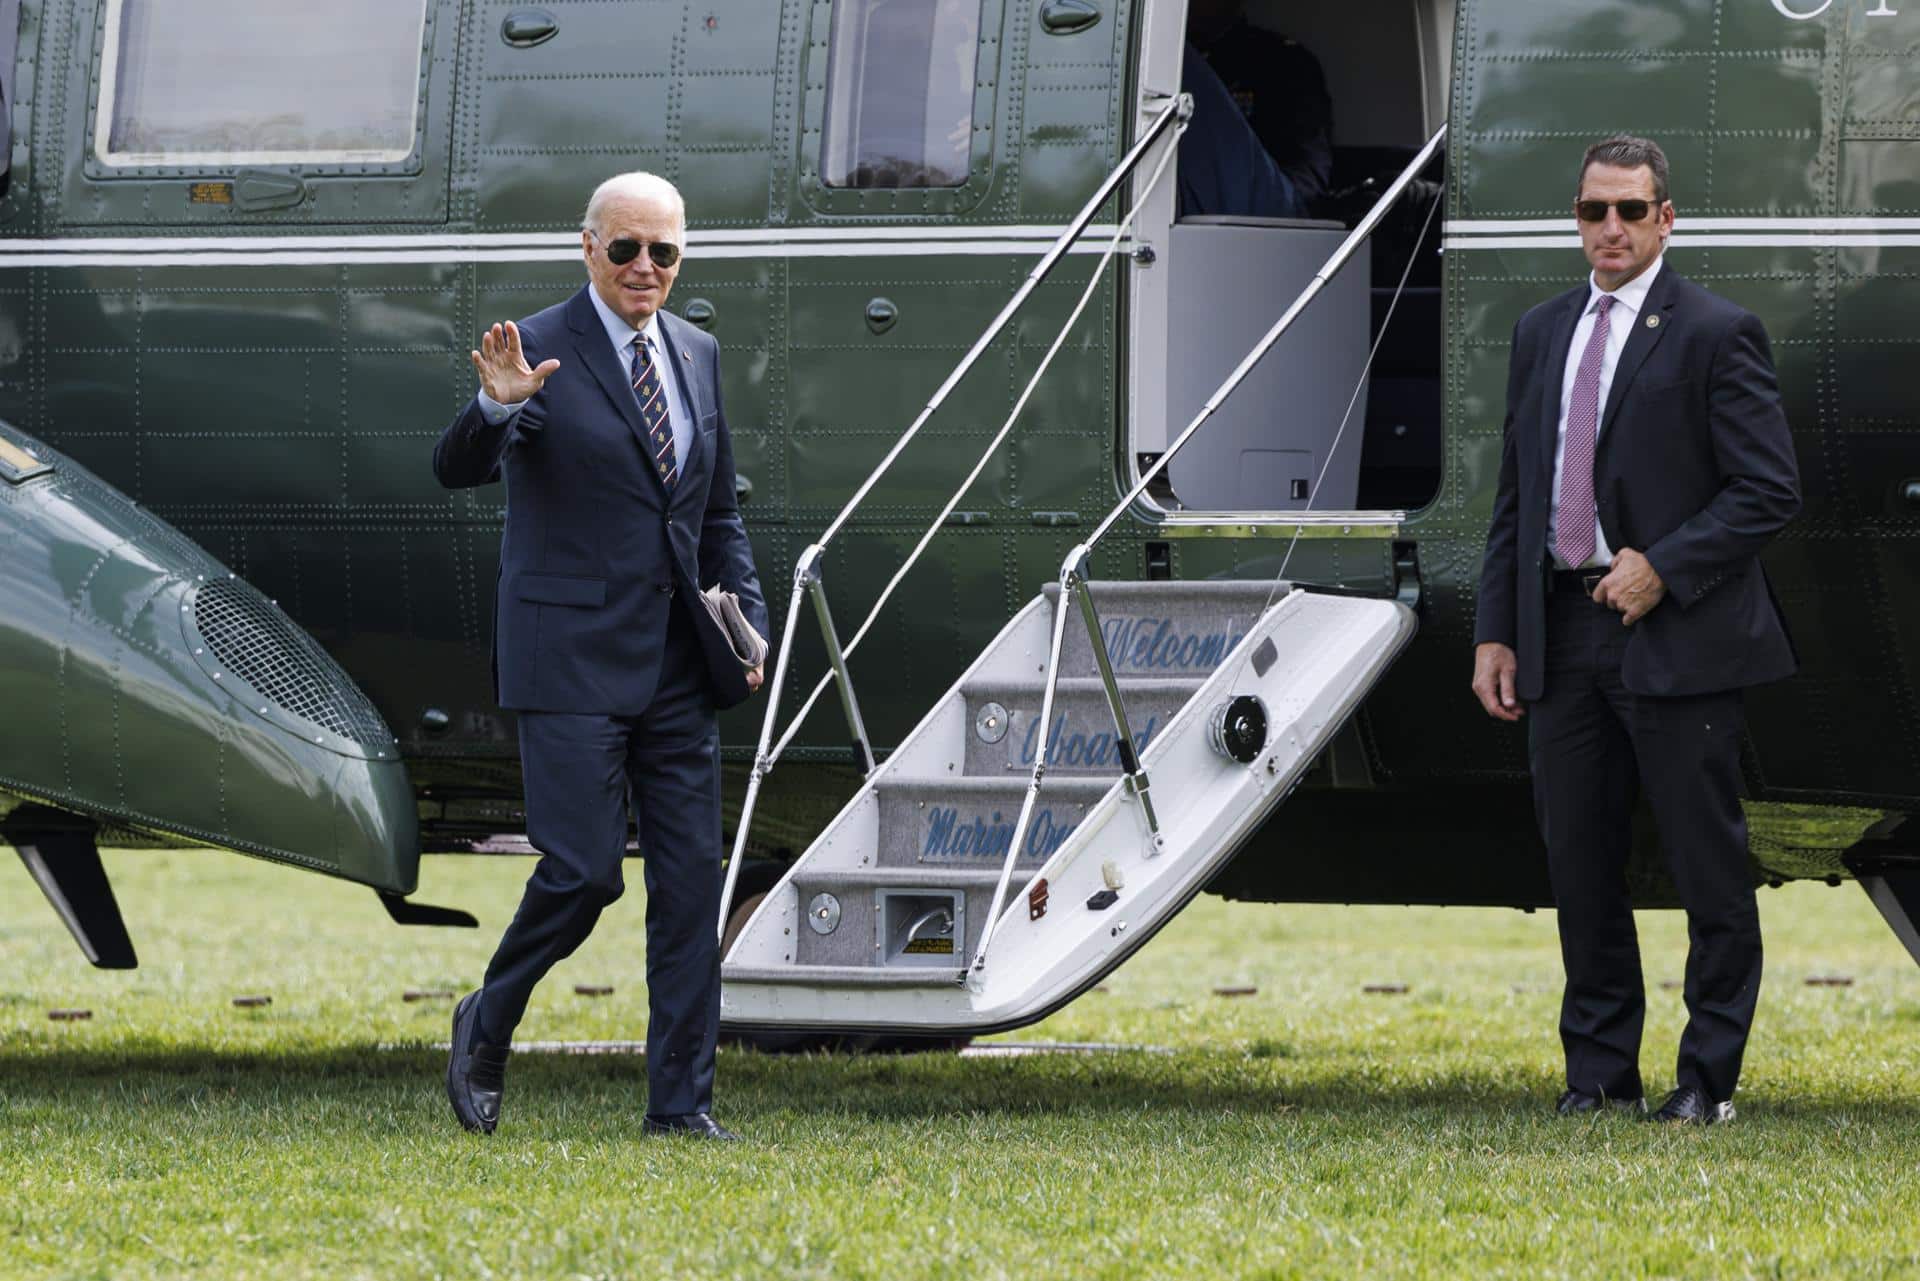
[[602, 414], [1624, 609]]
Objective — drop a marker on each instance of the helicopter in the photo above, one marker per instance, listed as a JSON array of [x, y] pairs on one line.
[[244, 249]]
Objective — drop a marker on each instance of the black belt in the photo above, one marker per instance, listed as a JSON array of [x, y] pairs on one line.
[[1578, 580]]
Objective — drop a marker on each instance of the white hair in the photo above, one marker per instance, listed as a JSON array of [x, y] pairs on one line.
[[635, 186]]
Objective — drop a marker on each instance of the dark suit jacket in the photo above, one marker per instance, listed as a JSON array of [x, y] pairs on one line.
[[1694, 469], [594, 557], [1223, 168]]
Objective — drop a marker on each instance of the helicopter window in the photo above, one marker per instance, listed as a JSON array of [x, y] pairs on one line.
[[190, 82], [900, 81]]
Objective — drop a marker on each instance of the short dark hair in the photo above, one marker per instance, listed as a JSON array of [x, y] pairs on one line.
[[1624, 151]]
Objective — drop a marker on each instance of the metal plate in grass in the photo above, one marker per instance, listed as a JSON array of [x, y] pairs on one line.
[[994, 1050]]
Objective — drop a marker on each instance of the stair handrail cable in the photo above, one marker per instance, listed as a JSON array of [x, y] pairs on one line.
[[807, 579], [1362, 232], [1360, 384], [1179, 107], [986, 455], [1074, 569]]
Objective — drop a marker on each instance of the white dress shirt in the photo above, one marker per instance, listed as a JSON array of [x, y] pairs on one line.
[[620, 337], [1628, 299]]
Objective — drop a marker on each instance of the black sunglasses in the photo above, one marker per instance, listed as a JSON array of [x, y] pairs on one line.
[[1596, 210], [623, 251]]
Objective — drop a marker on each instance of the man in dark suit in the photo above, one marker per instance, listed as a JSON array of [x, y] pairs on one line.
[[1623, 607], [603, 415]]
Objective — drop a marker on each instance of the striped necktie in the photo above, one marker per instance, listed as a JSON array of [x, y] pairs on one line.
[[653, 413], [1573, 527]]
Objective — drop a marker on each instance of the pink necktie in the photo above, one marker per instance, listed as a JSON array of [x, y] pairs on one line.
[[1573, 525]]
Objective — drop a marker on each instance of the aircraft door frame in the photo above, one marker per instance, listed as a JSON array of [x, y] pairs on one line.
[[20, 31], [213, 193], [1152, 289], [1162, 34]]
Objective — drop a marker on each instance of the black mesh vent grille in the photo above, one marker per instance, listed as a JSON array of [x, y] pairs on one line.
[[256, 642]]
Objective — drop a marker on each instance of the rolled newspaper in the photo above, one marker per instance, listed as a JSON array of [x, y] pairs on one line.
[[749, 646]]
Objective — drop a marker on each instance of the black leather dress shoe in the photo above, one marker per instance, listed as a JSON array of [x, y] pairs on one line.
[[476, 1072], [1579, 1103], [1687, 1106], [698, 1125]]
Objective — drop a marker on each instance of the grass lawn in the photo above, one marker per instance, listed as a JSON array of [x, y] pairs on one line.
[[1308, 1130]]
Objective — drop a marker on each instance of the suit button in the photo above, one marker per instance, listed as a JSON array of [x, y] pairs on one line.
[[667, 588]]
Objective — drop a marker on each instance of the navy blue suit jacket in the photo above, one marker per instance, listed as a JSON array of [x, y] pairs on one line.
[[1223, 167], [1694, 469], [594, 555]]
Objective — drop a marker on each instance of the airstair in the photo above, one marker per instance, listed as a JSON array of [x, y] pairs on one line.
[[881, 924], [1106, 754]]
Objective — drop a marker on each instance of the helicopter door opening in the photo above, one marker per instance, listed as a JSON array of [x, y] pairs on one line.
[[1315, 426]]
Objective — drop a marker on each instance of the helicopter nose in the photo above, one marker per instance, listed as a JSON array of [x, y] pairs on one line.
[[183, 700]]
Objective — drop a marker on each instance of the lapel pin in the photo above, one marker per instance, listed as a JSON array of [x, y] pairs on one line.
[[687, 356], [1653, 322]]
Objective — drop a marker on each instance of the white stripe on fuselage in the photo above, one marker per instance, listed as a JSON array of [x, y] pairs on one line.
[[323, 249], [327, 250], [1695, 233]]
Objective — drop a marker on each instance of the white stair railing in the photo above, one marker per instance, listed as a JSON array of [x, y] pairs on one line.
[[1074, 570], [808, 577]]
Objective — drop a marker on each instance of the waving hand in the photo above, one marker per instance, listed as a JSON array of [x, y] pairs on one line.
[[502, 366]]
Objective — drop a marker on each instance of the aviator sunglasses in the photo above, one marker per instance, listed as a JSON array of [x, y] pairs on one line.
[[663, 252], [1588, 210]]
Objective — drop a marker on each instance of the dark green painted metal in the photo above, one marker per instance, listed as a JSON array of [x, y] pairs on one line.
[[1068, 17], [113, 710], [525, 28]]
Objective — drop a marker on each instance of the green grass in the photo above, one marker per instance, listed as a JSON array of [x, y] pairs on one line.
[[1309, 1130]]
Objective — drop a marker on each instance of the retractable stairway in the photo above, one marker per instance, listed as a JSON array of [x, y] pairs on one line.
[[880, 923], [1103, 757]]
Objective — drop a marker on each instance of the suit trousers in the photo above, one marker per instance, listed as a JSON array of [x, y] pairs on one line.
[[1594, 748], [580, 772]]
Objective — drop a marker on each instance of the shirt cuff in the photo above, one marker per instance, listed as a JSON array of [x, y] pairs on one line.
[[493, 411]]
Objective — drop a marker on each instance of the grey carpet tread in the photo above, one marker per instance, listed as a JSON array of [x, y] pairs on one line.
[[844, 975], [979, 875], [1060, 787], [1084, 686]]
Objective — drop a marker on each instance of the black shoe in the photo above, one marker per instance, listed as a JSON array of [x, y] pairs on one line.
[[1579, 1103], [696, 1125], [476, 1072], [1687, 1106]]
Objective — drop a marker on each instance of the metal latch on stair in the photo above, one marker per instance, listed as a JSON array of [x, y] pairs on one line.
[[919, 927]]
